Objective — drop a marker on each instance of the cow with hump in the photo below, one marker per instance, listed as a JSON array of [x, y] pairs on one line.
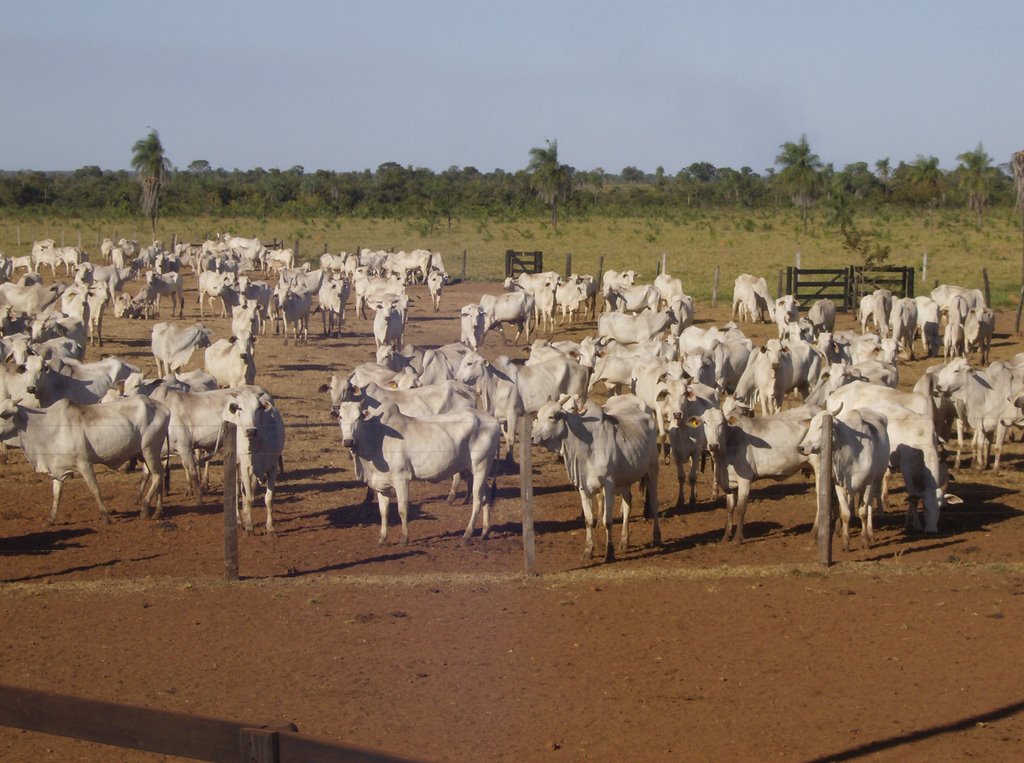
[[391, 449], [606, 449]]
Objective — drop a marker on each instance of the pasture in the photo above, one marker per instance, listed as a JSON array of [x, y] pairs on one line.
[[694, 241], [691, 650]]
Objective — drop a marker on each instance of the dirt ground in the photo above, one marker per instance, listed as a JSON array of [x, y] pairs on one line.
[[687, 651]]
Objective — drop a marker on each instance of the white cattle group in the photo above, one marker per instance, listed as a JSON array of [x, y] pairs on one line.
[[645, 386]]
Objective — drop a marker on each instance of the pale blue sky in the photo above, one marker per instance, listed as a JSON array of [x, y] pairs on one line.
[[350, 85]]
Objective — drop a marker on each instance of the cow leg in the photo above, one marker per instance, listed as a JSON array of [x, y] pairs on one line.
[[608, 497], [382, 503], [677, 457], [883, 503], [402, 499], [867, 525], [959, 441], [1000, 439], [58, 489], [843, 499], [268, 501], [479, 491], [730, 507], [588, 519], [455, 486], [511, 429], [627, 499], [692, 478], [89, 476], [155, 467]]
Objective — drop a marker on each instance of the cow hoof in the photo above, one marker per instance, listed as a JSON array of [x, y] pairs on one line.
[[466, 540], [609, 554]]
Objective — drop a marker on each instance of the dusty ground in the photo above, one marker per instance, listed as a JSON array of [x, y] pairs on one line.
[[690, 650]]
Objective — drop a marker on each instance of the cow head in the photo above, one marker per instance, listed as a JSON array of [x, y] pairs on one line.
[[549, 428]]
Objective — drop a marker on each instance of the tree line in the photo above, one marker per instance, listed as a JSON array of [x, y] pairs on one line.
[[545, 186]]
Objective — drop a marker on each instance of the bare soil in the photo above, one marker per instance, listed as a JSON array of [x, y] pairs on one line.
[[689, 650]]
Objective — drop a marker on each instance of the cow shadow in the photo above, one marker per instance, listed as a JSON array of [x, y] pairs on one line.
[[43, 542], [294, 573], [80, 568]]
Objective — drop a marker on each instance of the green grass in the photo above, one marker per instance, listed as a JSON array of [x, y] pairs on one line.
[[755, 241]]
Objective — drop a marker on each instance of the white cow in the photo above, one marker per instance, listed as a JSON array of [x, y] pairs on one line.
[[392, 449], [606, 449], [751, 299], [173, 345], [259, 440], [66, 438], [231, 361], [860, 459]]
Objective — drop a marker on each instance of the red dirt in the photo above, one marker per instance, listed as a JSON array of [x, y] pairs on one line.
[[691, 650]]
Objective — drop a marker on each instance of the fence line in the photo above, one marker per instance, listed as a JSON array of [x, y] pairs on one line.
[[170, 733]]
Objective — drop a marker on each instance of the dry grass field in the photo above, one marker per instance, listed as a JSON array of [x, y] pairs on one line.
[[694, 242], [686, 651]]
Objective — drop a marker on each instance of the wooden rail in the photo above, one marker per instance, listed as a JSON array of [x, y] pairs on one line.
[[170, 733], [523, 262]]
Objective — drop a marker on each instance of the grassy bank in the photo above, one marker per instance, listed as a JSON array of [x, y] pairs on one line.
[[695, 242]]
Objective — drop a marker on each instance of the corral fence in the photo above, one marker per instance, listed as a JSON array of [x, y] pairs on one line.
[[845, 286], [170, 733], [523, 262]]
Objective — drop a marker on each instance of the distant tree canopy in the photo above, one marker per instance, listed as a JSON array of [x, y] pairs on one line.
[[544, 187]]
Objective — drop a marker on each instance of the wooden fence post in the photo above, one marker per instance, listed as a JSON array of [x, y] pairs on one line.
[[714, 287], [463, 266], [664, 262], [1020, 304], [924, 268], [296, 252], [796, 260], [568, 264], [526, 488], [600, 283], [825, 525], [230, 504], [779, 288], [988, 288]]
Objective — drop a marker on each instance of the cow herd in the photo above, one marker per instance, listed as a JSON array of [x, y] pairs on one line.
[[647, 387]]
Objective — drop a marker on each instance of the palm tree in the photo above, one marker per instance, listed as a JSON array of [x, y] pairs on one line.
[[883, 171], [550, 179], [149, 161], [929, 179], [799, 176], [975, 176]]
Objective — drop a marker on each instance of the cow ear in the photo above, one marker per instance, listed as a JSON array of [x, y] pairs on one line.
[[8, 357], [691, 395], [693, 421], [732, 420]]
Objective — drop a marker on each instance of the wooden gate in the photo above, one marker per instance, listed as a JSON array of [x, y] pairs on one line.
[[523, 262], [897, 279], [809, 285]]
